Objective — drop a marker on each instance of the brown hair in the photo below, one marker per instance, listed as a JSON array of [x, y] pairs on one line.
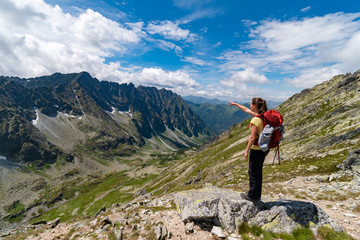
[[260, 104]]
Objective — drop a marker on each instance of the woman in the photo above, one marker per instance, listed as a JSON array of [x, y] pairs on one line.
[[256, 155]]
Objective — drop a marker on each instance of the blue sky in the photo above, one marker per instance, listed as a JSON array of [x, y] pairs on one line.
[[231, 50]]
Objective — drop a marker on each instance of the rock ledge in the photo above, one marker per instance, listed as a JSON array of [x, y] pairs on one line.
[[228, 209]]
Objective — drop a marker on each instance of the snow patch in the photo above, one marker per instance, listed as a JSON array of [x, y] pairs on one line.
[[3, 158], [114, 110], [69, 115], [36, 121]]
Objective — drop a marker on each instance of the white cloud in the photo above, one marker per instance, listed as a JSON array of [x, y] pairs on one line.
[[156, 77], [312, 77], [349, 53], [331, 41], [170, 30], [248, 75], [306, 9], [44, 39], [196, 61], [38, 39]]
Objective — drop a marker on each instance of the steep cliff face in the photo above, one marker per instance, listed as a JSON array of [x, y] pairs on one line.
[[42, 118]]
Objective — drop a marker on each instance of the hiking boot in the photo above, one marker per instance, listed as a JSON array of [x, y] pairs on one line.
[[246, 197]]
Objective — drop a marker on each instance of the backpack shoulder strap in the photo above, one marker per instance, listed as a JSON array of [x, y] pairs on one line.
[[261, 116]]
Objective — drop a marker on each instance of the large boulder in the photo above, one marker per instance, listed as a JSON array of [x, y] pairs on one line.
[[228, 209]]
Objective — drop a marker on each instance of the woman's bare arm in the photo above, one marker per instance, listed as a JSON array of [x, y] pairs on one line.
[[253, 136], [242, 107]]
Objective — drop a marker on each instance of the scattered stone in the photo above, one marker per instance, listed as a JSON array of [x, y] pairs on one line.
[[189, 227], [78, 225], [145, 211], [218, 232], [291, 181], [233, 238], [54, 222], [311, 168], [102, 210], [349, 215], [105, 221], [164, 232], [118, 234], [140, 193], [158, 232], [161, 232], [94, 222]]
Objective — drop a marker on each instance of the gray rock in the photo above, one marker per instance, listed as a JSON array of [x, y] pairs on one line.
[[105, 221], [159, 232], [164, 232], [54, 222], [227, 209], [189, 227], [350, 215], [352, 160], [218, 232], [219, 206], [118, 234]]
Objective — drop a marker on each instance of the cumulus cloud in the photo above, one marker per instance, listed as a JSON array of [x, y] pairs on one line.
[[170, 30], [156, 77], [311, 77], [38, 39], [248, 75], [293, 46], [44, 39]]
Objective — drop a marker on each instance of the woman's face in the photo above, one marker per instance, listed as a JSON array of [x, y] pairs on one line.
[[253, 107]]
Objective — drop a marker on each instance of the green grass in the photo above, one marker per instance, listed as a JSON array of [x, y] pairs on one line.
[[327, 233], [298, 234], [301, 233], [93, 196]]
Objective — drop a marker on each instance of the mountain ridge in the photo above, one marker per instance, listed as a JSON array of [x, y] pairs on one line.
[[152, 111]]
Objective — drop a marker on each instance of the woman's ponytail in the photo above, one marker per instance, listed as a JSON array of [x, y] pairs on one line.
[[260, 104]]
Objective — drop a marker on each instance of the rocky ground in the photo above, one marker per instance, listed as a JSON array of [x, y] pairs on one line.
[[340, 200], [150, 217]]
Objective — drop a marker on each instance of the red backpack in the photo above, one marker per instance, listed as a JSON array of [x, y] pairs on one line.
[[275, 119]]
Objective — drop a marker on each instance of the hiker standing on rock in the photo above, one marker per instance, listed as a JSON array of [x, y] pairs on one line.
[[256, 155]]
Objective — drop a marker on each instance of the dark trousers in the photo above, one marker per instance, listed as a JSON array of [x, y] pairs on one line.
[[256, 161]]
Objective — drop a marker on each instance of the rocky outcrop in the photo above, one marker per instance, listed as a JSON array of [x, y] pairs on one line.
[[352, 162], [228, 209], [352, 165]]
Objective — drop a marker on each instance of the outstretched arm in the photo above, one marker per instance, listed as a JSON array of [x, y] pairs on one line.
[[245, 109]]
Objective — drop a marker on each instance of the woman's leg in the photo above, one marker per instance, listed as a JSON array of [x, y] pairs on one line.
[[256, 161]]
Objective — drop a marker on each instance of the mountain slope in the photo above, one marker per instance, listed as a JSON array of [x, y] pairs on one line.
[[321, 126], [76, 110]]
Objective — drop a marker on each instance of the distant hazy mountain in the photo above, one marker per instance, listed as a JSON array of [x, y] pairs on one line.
[[200, 100], [219, 115], [47, 117]]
